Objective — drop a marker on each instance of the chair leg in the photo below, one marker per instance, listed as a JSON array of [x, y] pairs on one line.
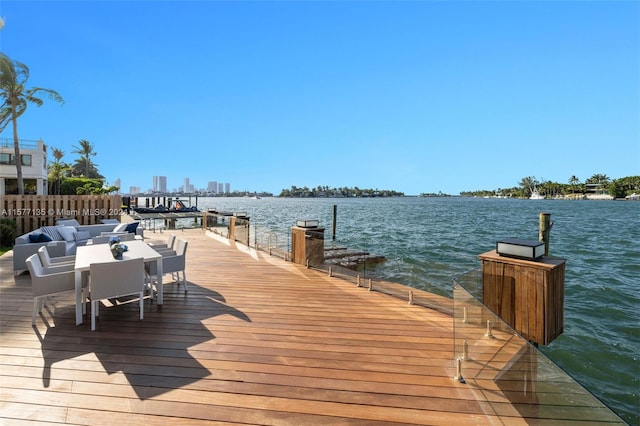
[[36, 305], [94, 308], [149, 285], [184, 280], [142, 304]]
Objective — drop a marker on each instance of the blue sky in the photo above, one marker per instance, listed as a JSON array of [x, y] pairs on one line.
[[414, 96]]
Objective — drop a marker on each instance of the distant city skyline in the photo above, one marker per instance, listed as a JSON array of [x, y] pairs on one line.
[[159, 184]]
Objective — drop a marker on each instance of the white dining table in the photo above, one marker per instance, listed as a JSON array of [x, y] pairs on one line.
[[101, 253]]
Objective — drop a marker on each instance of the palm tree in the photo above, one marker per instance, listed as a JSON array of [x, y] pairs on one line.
[[56, 170], [15, 98], [86, 152], [574, 182], [57, 154]]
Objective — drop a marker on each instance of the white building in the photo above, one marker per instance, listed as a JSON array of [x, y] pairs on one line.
[[212, 186], [33, 155]]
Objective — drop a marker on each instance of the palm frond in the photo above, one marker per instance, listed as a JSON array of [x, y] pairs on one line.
[[51, 94]]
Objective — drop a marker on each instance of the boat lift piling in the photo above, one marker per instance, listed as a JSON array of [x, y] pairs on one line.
[[335, 214]]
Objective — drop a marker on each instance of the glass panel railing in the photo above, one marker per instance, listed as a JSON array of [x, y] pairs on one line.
[[269, 241], [511, 376], [511, 373]]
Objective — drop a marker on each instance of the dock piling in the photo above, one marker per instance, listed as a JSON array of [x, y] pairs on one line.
[[545, 231]]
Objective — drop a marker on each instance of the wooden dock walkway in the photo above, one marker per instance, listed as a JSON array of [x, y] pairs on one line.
[[256, 340]]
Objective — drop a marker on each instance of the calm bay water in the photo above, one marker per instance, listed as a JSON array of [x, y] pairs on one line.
[[429, 241]]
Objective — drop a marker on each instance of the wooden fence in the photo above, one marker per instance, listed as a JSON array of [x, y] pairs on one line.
[[33, 211]]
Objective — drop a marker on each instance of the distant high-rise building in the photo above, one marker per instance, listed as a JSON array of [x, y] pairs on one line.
[[134, 190], [117, 184], [220, 188], [227, 188], [159, 184], [212, 187]]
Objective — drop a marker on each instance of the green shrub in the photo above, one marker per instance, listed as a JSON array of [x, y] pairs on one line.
[[8, 232], [75, 186]]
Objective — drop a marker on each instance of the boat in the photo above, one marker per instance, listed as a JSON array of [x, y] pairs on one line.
[[179, 207], [535, 195], [157, 209], [182, 207]]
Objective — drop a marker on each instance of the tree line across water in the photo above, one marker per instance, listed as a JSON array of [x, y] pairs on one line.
[[617, 188]]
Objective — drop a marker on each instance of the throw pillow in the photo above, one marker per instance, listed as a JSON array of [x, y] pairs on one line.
[[39, 237], [131, 227], [82, 235], [67, 232], [52, 232]]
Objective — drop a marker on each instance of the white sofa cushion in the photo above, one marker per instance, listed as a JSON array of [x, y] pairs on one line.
[[67, 222], [67, 232]]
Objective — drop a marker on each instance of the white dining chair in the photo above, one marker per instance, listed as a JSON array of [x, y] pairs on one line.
[[101, 239], [115, 279], [46, 282], [55, 262], [169, 245], [172, 263]]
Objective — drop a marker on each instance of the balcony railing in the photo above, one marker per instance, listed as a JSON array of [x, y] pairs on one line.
[[24, 143]]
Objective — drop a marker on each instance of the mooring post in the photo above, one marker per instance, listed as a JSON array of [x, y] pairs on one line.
[[545, 230], [335, 214]]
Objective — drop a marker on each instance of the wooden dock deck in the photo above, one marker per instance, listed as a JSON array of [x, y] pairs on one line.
[[256, 340]]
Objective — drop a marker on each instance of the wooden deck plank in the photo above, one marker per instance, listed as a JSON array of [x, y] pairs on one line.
[[256, 340]]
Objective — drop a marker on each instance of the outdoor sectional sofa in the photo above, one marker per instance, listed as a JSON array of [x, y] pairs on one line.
[[62, 239]]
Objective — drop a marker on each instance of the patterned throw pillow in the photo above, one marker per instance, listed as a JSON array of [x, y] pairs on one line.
[[52, 232], [82, 235]]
